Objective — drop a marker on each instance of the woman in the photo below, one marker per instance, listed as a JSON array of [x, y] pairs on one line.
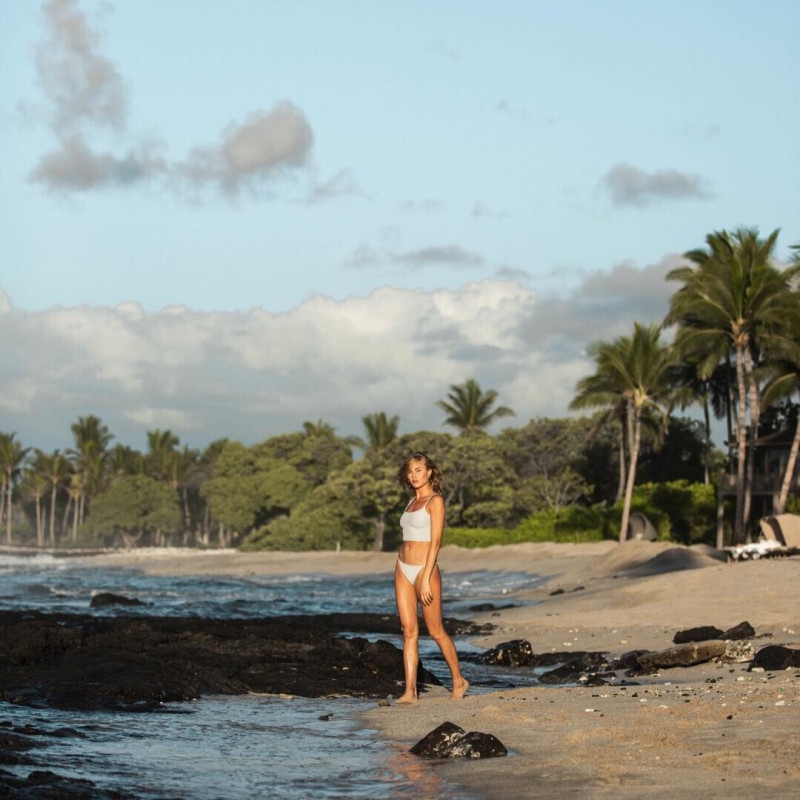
[[416, 577]]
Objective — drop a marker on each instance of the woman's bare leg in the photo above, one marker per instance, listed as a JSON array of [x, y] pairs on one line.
[[433, 621], [407, 609]]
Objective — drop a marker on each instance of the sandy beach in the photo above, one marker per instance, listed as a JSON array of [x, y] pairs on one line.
[[714, 729]]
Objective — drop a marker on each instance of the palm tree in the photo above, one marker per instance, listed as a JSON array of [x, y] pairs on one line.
[[318, 428], [731, 296], [161, 445], [182, 467], [469, 408], [783, 367], [34, 485], [90, 453], [381, 431], [12, 454], [638, 371], [55, 467]]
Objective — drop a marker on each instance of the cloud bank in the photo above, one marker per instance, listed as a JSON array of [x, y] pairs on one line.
[[84, 94], [252, 374], [629, 186]]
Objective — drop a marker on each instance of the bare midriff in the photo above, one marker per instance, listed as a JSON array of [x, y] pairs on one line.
[[414, 552]]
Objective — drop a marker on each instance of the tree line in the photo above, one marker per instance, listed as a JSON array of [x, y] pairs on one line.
[[735, 353]]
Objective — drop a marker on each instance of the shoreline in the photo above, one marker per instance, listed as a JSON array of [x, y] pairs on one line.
[[714, 729]]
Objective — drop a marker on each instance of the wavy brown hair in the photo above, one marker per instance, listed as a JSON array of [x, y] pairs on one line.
[[437, 479]]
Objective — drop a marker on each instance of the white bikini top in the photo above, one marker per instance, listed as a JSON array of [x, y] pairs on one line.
[[416, 525]]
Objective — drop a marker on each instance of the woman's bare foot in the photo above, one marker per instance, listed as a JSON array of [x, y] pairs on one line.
[[407, 697], [460, 690]]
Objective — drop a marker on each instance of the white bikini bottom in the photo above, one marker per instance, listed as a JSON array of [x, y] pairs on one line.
[[410, 571]]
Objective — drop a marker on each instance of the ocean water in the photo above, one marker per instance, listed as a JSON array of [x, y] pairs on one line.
[[249, 746]]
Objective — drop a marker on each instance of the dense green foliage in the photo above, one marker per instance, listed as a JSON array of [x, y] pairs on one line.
[[736, 354]]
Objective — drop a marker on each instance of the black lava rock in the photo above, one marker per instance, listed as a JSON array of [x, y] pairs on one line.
[[451, 741], [435, 743], [702, 634], [775, 657], [103, 599], [744, 630], [476, 745], [83, 662], [516, 653]]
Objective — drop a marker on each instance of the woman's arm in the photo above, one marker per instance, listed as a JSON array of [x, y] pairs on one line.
[[436, 509]]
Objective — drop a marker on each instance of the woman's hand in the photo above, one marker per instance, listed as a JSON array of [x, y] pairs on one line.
[[424, 593]]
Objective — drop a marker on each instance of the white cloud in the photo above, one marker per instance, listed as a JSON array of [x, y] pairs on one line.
[[83, 92], [252, 374], [265, 144]]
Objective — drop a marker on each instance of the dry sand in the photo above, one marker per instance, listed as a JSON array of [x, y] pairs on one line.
[[715, 730]]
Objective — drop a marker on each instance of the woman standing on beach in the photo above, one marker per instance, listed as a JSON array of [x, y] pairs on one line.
[[416, 577]]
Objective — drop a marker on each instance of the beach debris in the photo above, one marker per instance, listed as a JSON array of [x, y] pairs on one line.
[[556, 592], [102, 599], [704, 633], [449, 740], [737, 652], [683, 655], [775, 657], [384, 704]]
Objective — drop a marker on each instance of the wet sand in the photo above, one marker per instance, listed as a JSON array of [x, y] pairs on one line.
[[715, 730]]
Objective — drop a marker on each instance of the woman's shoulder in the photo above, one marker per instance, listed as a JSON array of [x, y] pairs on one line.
[[436, 501]]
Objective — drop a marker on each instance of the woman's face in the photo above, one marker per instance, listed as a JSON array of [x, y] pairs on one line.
[[418, 473]]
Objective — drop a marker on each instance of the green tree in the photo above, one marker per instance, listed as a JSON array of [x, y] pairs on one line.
[[639, 370], [132, 507], [12, 455], [249, 487], [470, 408], [731, 295], [548, 456]]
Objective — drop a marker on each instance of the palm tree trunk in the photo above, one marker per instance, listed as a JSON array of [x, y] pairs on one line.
[[755, 415], [9, 508], [729, 407], [380, 527], [621, 483], [634, 416], [2, 502], [187, 517], [76, 511], [780, 506], [39, 525], [707, 453], [65, 518], [53, 515], [741, 431]]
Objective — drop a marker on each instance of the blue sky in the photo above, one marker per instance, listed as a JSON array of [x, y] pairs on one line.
[[364, 167]]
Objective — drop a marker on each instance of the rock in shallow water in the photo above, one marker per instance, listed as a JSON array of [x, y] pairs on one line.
[[136, 664], [451, 741], [103, 599]]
